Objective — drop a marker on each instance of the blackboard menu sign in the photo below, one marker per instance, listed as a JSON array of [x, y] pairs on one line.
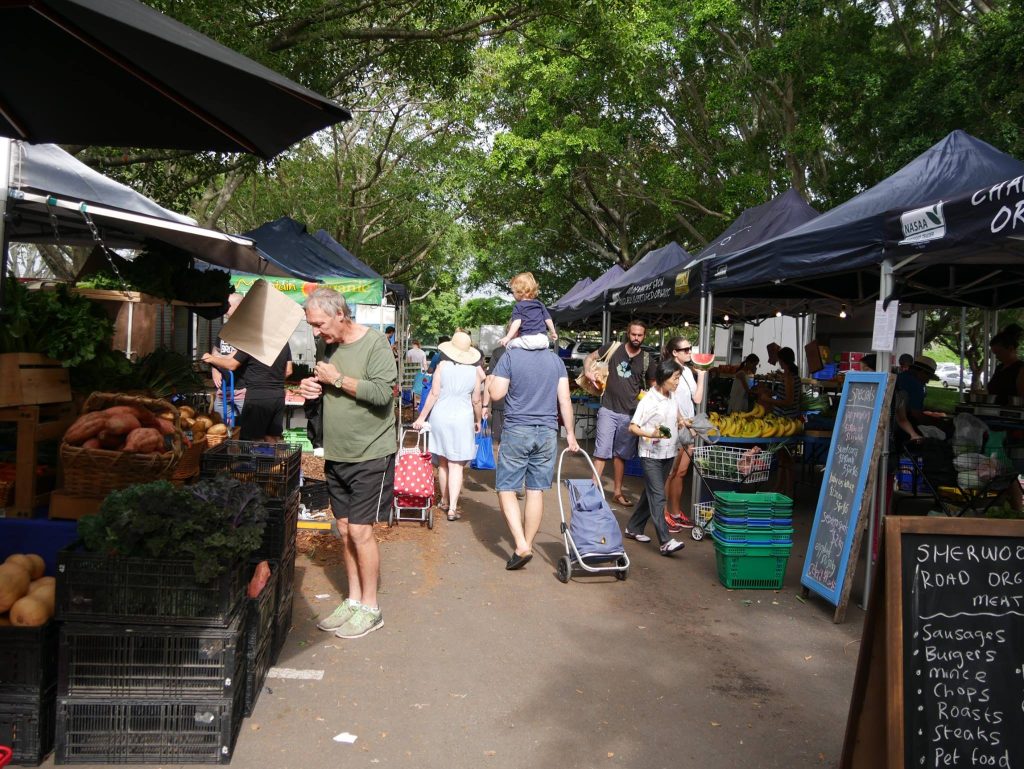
[[957, 606], [845, 489]]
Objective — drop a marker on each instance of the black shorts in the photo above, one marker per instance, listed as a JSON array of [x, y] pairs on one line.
[[260, 418], [362, 492]]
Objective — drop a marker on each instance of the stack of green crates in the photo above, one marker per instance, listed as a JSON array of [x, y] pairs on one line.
[[753, 536], [299, 437]]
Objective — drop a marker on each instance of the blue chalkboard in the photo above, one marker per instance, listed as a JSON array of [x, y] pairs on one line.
[[844, 496]]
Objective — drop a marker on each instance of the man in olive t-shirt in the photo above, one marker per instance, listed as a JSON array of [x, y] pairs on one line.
[[356, 380]]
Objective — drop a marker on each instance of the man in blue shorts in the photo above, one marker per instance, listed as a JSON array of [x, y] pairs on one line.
[[535, 387]]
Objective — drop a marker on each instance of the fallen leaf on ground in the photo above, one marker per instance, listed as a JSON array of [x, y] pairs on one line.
[[808, 657], [611, 755], [715, 723], [490, 752]]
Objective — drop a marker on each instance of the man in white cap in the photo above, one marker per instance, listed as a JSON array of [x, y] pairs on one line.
[[356, 378]]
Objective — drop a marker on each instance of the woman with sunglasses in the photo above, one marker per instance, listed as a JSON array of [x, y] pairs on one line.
[[690, 392]]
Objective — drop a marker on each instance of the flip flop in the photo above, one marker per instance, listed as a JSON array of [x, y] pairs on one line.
[[453, 516], [518, 561], [622, 499]]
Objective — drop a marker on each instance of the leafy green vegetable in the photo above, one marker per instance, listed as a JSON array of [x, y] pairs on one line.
[[165, 272], [215, 522]]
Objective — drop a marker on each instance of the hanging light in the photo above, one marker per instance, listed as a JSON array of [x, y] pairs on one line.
[[778, 313], [686, 324], [725, 318], [842, 312]]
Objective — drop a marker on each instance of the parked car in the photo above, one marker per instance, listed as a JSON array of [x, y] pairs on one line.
[[950, 377]]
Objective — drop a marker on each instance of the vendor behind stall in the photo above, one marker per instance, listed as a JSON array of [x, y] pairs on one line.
[[1008, 378]]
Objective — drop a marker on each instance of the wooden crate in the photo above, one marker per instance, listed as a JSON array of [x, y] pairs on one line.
[[27, 378], [69, 507], [35, 423]]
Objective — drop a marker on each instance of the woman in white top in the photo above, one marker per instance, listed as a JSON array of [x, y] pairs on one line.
[[689, 393], [656, 423]]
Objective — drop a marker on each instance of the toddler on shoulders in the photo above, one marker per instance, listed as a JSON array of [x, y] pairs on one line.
[[531, 323]]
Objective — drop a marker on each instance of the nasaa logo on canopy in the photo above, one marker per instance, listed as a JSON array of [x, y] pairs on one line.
[[923, 224]]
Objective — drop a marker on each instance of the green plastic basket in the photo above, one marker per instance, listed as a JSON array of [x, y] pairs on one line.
[[754, 534], [758, 501], [299, 436], [751, 567]]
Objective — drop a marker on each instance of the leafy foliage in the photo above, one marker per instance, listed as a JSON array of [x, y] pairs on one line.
[[215, 523], [58, 324], [164, 272]]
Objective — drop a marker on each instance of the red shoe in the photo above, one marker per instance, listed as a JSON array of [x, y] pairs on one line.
[[677, 524]]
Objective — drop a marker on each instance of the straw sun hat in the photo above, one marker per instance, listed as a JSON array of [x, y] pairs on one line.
[[460, 349]]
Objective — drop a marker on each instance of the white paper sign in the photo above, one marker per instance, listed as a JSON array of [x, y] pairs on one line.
[[262, 323], [884, 335]]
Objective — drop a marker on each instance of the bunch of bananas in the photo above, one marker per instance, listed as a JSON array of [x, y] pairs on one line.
[[756, 423]]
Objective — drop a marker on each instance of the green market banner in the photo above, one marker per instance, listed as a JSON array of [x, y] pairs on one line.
[[355, 290]]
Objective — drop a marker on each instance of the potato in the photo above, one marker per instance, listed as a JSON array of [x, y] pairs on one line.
[[21, 560], [145, 440], [202, 423], [45, 594], [187, 411], [42, 582], [218, 429], [14, 581], [198, 435], [38, 565], [85, 427], [30, 612]]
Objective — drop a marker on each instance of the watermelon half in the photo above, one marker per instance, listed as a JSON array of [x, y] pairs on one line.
[[702, 360]]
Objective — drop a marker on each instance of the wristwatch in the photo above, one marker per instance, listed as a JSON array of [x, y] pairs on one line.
[[337, 382]]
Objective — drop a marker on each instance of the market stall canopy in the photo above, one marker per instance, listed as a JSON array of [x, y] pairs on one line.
[[118, 73], [289, 244], [352, 262], [575, 291], [837, 254], [53, 198], [580, 306], [969, 247]]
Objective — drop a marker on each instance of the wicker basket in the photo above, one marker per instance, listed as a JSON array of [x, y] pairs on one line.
[[216, 440], [97, 472], [188, 465]]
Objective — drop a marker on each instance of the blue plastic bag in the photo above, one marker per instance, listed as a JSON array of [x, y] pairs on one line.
[[484, 449]]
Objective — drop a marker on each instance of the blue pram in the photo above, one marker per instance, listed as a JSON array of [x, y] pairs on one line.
[[593, 540]]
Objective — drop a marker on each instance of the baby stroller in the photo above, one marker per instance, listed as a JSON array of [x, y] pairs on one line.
[[593, 540], [414, 481]]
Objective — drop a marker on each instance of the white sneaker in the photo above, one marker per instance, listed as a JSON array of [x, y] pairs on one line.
[[637, 537], [672, 546]]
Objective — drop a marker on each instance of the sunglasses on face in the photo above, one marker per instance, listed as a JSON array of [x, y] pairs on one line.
[[683, 349]]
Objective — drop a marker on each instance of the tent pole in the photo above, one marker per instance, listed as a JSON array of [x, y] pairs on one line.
[[606, 326], [963, 344], [6, 154]]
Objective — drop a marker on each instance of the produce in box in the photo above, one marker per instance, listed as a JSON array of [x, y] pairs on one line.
[[25, 592]]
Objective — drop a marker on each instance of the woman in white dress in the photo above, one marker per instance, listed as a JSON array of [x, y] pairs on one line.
[[453, 411]]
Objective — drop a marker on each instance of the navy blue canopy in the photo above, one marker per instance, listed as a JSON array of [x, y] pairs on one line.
[[967, 249], [837, 254], [351, 262], [571, 310], [578, 288]]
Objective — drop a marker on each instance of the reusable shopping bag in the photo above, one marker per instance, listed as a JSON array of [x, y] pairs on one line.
[[484, 449]]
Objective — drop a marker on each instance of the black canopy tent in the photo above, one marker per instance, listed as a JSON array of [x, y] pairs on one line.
[[969, 247], [359, 269], [837, 256], [577, 289], [577, 308]]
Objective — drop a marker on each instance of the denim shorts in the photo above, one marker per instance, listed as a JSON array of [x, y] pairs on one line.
[[613, 436], [527, 453]]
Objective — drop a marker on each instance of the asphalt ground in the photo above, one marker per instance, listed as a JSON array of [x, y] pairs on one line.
[[477, 666]]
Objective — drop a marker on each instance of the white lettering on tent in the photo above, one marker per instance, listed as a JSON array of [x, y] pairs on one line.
[[1008, 217], [997, 191], [923, 224]]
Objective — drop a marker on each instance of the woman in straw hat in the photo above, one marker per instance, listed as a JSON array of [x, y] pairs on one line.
[[453, 409]]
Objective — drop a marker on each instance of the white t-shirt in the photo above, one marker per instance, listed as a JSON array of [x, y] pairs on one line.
[[654, 410], [685, 392], [416, 355]]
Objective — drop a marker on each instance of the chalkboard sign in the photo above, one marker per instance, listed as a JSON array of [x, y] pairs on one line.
[[849, 474], [955, 599]]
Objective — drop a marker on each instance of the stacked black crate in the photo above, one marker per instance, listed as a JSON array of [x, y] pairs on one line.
[[152, 664], [28, 677], [276, 469]]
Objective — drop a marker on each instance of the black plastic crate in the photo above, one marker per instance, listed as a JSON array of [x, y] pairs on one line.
[[28, 660], [257, 666], [149, 661], [282, 525], [314, 494], [282, 626], [260, 611], [27, 726], [286, 580], [96, 588], [91, 731], [274, 467]]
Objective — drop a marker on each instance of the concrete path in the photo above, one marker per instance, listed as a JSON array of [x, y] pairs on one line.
[[480, 667]]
